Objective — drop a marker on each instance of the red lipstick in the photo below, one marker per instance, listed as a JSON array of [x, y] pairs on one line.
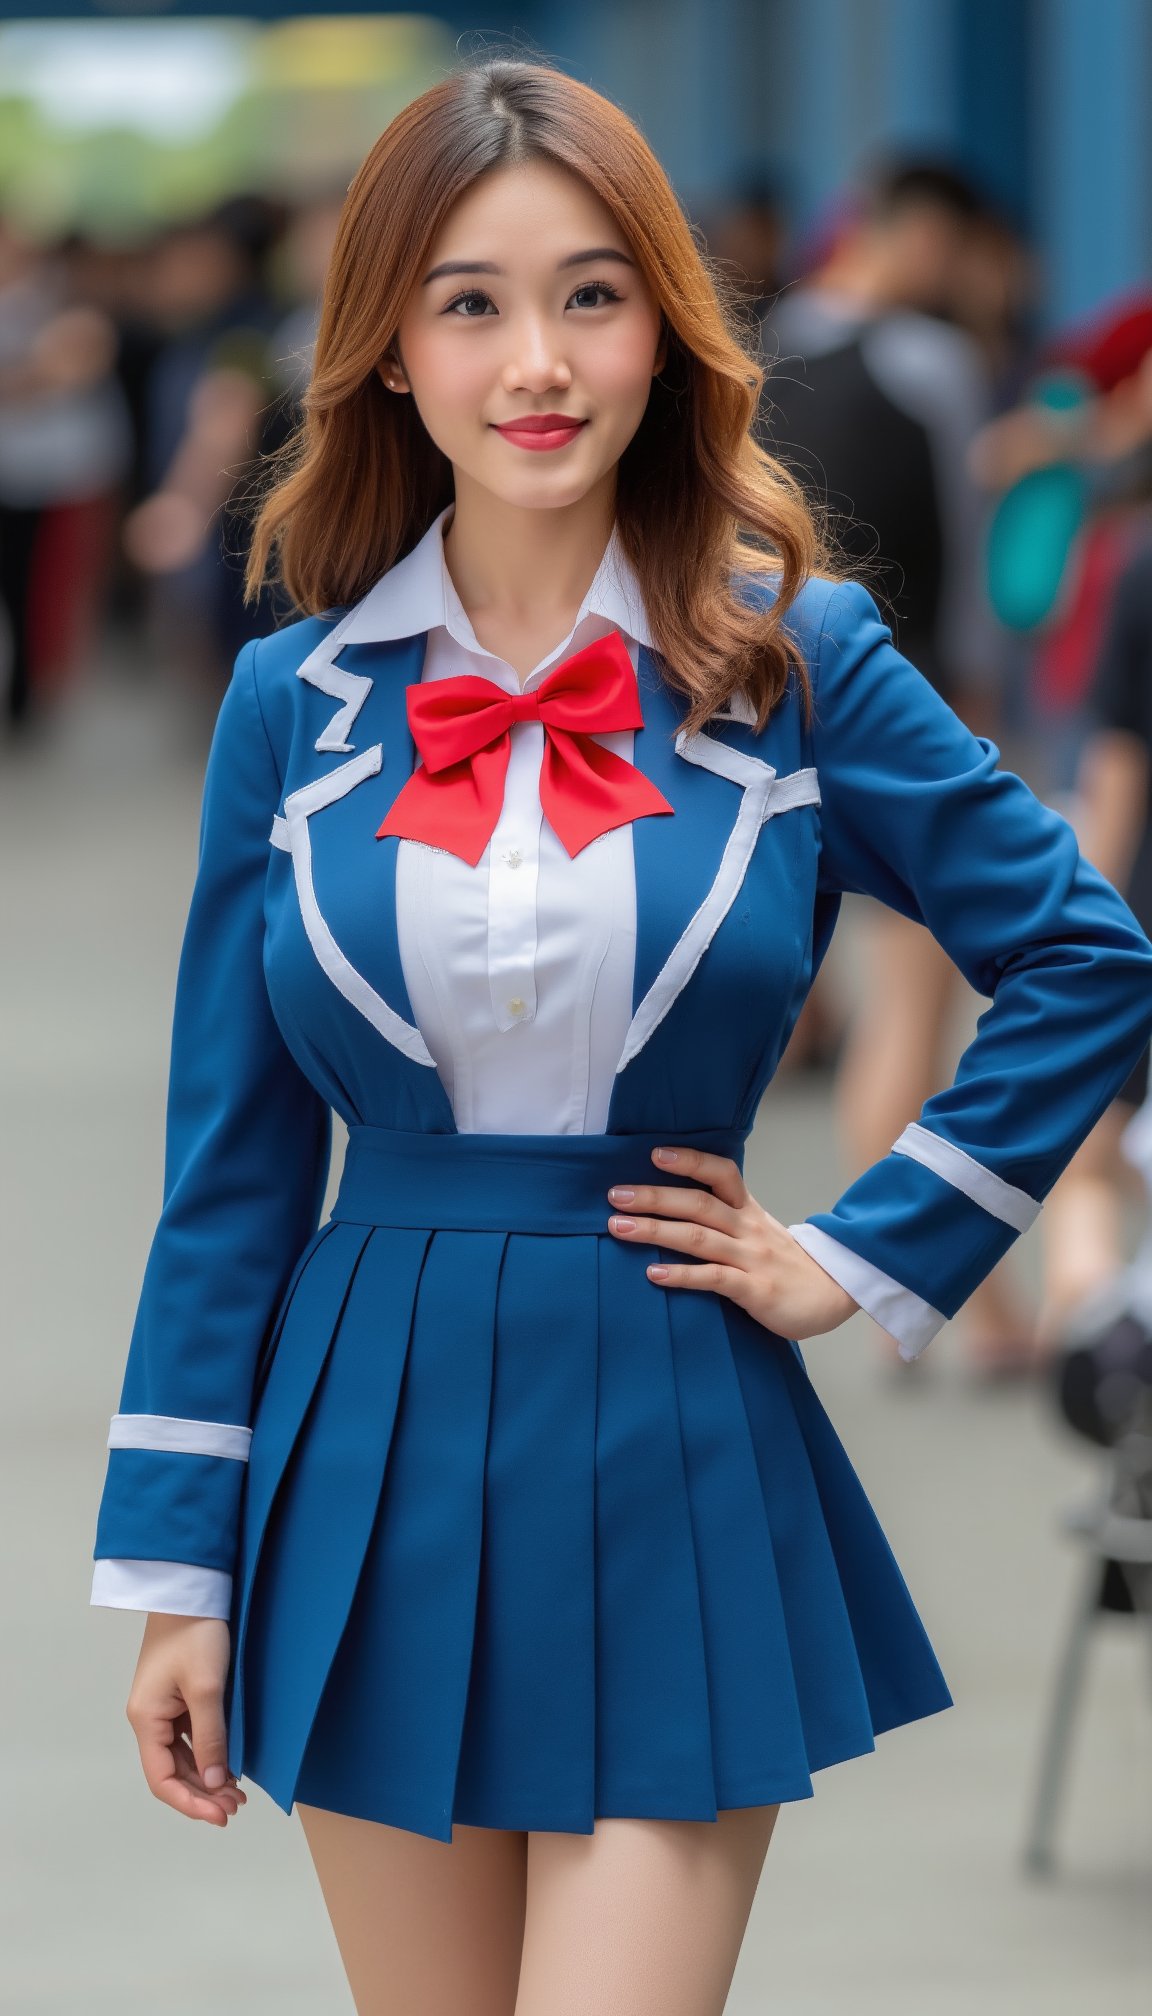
[[541, 430]]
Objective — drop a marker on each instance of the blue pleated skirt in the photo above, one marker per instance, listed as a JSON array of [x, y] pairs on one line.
[[528, 1539]]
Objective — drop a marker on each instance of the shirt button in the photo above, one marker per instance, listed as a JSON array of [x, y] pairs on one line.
[[516, 1005], [513, 857]]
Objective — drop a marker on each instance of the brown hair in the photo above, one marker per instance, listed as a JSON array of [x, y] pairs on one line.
[[698, 501]]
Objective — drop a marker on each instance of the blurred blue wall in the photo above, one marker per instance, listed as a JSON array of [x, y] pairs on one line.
[[1045, 100]]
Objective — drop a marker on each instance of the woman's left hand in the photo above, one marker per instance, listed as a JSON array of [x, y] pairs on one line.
[[738, 1248]]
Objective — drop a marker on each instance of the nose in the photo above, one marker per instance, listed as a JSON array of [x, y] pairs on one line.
[[536, 360]]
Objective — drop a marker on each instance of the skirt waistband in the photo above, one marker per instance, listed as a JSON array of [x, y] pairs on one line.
[[505, 1182]]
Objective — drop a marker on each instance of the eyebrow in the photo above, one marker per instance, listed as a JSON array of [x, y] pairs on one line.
[[487, 266]]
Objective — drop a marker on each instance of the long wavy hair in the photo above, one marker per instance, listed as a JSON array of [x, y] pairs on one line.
[[699, 502]]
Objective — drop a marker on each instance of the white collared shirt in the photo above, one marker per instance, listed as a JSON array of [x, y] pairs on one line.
[[520, 969]]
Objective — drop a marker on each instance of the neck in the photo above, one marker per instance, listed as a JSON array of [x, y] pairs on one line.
[[525, 566]]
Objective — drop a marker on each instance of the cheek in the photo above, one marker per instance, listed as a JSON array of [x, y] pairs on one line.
[[450, 381], [618, 366]]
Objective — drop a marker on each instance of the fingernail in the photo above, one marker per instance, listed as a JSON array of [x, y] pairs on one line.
[[620, 1194], [214, 1775], [624, 1224], [666, 1154]]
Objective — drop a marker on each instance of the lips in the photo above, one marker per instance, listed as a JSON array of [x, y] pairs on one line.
[[541, 430]]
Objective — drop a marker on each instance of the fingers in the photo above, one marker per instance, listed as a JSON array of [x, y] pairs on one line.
[[171, 1778], [694, 1207], [209, 1738], [228, 1795], [702, 1274], [720, 1172], [706, 1242], [163, 1714], [705, 1223]]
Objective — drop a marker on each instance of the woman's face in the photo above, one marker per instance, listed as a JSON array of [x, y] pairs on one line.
[[544, 313]]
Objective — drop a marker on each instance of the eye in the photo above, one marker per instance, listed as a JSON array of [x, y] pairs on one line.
[[471, 294], [477, 294], [597, 287]]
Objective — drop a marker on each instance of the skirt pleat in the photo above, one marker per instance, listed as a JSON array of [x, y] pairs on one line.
[[392, 1715], [329, 1485], [902, 1677], [528, 1750], [759, 1751], [528, 1540], [836, 1567], [305, 1330], [653, 1750]]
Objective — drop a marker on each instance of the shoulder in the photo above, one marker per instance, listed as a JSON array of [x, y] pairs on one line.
[[268, 666], [277, 656], [825, 614]]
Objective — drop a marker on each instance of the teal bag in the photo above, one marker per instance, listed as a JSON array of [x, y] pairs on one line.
[[1034, 527]]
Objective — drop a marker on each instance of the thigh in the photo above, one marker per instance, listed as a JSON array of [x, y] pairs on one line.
[[425, 1928], [640, 1917]]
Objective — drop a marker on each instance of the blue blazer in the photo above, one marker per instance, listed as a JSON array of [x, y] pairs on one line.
[[291, 1000]]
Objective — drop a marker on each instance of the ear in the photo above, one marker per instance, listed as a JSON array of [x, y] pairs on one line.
[[391, 376]]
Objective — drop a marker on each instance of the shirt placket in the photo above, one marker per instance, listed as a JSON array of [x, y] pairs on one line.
[[513, 877]]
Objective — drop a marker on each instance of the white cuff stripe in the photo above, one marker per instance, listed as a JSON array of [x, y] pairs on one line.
[[173, 1432], [955, 1166], [178, 1588], [906, 1317]]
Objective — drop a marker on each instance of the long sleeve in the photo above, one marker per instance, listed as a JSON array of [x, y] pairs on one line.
[[916, 812], [247, 1145]]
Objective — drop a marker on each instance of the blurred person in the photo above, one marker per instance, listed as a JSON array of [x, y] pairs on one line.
[[994, 297], [499, 1531], [1108, 434], [1084, 1222], [65, 448], [1070, 463], [297, 266], [204, 408], [1093, 677], [873, 397], [123, 284], [745, 234]]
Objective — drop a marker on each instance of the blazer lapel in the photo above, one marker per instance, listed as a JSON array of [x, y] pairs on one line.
[[690, 867], [345, 877]]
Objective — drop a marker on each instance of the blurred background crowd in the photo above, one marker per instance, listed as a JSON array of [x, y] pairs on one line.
[[935, 219], [963, 381]]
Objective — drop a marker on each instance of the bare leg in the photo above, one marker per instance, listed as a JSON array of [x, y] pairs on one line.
[[640, 1917], [425, 1928]]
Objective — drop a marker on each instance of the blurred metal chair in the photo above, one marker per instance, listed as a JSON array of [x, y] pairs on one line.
[[1115, 1529], [1104, 1392]]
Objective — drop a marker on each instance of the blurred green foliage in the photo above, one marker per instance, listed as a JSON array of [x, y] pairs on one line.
[[290, 108]]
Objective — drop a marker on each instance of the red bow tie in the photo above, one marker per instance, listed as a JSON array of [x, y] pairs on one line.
[[462, 726]]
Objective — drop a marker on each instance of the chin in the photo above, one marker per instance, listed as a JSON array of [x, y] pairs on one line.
[[541, 495]]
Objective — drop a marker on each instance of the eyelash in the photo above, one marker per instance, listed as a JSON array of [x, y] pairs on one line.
[[478, 293]]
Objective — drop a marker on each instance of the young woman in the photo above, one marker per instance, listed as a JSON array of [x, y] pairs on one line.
[[494, 1522]]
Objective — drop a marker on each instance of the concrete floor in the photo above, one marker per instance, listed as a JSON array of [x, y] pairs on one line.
[[897, 1889]]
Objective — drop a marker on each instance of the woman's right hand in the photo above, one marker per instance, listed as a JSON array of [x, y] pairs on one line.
[[177, 1713]]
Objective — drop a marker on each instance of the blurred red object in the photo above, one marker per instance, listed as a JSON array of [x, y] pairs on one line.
[[1065, 656], [71, 564], [1110, 345]]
